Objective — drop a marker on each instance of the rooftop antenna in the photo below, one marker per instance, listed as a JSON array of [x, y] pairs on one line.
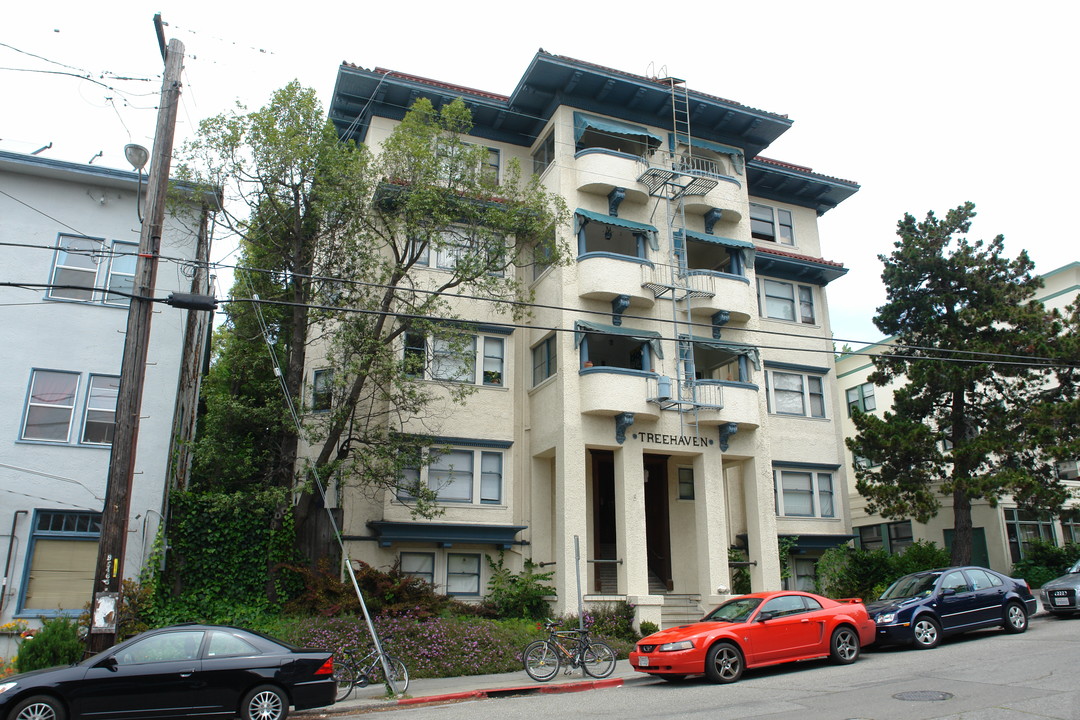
[[42, 149]]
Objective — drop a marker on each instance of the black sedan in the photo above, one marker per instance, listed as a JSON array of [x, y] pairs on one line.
[[178, 671], [922, 608]]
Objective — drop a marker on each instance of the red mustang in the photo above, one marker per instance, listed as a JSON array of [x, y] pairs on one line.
[[756, 630]]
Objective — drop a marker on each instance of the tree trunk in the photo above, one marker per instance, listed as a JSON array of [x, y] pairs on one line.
[[961, 540]]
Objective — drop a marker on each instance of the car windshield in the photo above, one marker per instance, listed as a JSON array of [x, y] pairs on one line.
[[1075, 568], [737, 610], [911, 586]]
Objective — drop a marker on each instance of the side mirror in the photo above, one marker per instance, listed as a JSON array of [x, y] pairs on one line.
[[109, 663], [765, 615], [948, 591]]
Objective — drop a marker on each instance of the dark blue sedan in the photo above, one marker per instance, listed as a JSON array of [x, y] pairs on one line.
[[202, 671], [922, 608]]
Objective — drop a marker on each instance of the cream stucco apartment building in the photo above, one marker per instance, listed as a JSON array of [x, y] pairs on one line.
[[999, 533], [672, 395]]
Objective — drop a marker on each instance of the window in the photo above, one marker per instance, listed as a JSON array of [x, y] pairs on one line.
[[804, 493], [63, 553], [786, 301], [686, 483], [1070, 527], [804, 577], [99, 422], [167, 647], [900, 536], [870, 537], [456, 360], [459, 475], [322, 386], [479, 250], [491, 164], [50, 406], [462, 574], [121, 273], [773, 225], [861, 397], [1023, 526], [791, 393], [223, 644], [544, 360], [419, 565], [75, 267], [544, 154]]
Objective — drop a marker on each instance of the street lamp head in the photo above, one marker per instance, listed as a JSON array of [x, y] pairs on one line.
[[137, 155]]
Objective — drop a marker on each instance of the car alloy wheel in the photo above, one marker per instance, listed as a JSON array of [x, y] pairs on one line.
[[265, 702], [724, 663], [38, 707], [1016, 620], [926, 631], [844, 648]]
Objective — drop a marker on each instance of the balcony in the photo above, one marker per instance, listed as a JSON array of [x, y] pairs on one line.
[[705, 292], [599, 171], [606, 276], [609, 391], [709, 403]]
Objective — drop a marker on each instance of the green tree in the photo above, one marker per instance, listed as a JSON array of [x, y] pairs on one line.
[[965, 323], [335, 234]]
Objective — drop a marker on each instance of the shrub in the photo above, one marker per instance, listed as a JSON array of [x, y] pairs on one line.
[[518, 595], [920, 555], [740, 575], [1043, 561], [648, 627], [853, 572], [57, 643]]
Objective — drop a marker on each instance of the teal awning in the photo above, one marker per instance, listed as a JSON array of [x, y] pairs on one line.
[[728, 242], [583, 122], [648, 231], [446, 534], [734, 348], [581, 327]]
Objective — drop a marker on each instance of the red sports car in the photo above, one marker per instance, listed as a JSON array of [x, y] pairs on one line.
[[756, 630]]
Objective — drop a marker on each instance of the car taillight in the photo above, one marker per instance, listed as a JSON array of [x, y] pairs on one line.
[[327, 667]]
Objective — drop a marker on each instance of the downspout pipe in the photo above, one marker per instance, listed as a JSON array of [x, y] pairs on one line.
[[7, 562]]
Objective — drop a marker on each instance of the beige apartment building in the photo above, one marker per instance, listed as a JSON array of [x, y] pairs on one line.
[[672, 395], [999, 533]]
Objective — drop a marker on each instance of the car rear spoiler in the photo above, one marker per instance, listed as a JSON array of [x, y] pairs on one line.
[[849, 601]]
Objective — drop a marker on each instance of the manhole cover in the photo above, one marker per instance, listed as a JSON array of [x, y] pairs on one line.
[[923, 695]]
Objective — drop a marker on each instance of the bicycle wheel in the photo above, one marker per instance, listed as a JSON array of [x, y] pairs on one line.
[[344, 679], [599, 659], [399, 674], [541, 660]]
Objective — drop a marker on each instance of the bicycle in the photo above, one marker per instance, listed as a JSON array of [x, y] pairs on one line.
[[350, 672], [543, 658]]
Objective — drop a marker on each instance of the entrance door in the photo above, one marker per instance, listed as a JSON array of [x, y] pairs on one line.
[[657, 530]]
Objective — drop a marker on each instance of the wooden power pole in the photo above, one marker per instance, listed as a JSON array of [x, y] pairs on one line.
[[109, 571]]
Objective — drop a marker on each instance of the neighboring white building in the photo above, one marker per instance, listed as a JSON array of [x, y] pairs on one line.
[[685, 405], [70, 233], [998, 533]]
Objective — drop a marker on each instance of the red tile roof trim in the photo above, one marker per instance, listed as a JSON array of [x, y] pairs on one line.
[[796, 256], [433, 83], [800, 168]]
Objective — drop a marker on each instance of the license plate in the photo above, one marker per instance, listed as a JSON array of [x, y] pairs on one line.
[[1061, 601], [643, 661]]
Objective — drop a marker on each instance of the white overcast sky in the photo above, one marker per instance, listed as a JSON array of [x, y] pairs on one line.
[[925, 104]]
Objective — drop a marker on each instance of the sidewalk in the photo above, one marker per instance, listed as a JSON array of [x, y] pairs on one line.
[[472, 687]]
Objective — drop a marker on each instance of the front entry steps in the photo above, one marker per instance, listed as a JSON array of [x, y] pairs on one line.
[[680, 609]]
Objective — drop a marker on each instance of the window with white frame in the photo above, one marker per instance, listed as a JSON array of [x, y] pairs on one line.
[[804, 493], [121, 277], [686, 483], [480, 250], [322, 390], [456, 360], [462, 574], [75, 268], [795, 393], [62, 555], [861, 397], [781, 300], [458, 475], [544, 360], [771, 224], [99, 420], [50, 406]]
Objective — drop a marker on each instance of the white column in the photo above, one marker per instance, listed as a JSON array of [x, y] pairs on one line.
[[710, 529], [761, 524], [571, 518]]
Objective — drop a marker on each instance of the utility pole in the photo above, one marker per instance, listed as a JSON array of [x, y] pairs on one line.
[[109, 571]]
